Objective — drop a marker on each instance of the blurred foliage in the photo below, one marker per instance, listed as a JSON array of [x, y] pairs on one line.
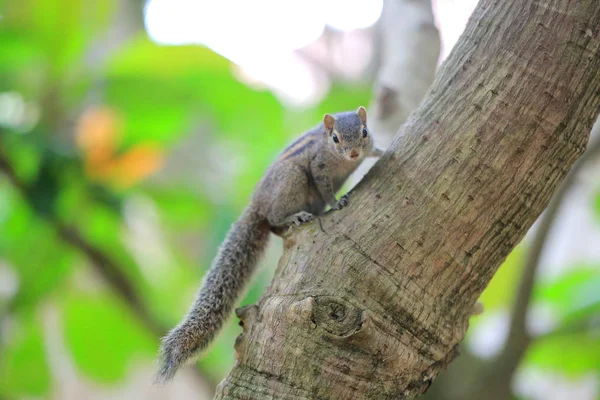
[[104, 353], [574, 355], [95, 135], [150, 152], [502, 289], [597, 205], [23, 366], [572, 346]]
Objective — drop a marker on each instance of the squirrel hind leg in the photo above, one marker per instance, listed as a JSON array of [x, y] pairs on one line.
[[298, 219]]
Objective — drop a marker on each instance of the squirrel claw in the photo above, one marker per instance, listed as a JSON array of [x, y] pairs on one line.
[[342, 202], [302, 218]]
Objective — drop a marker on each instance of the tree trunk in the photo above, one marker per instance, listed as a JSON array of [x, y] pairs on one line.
[[408, 44], [372, 301], [472, 378], [409, 50]]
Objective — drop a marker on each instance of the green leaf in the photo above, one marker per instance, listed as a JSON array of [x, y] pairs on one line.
[[144, 58], [573, 295], [24, 155], [32, 247], [104, 229], [103, 337], [65, 28], [573, 355], [19, 52], [43, 45], [586, 303], [153, 111], [23, 366], [180, 207], [164, 91]]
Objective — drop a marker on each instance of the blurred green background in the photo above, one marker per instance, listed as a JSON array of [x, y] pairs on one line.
[[123, 163]]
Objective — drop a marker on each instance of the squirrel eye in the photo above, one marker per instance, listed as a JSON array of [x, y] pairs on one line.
[[335, 138], [365, 132]]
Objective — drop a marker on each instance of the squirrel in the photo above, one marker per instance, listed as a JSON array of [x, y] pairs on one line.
[[296, 188]]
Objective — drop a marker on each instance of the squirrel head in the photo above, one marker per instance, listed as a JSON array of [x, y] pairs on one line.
[[348, 134]]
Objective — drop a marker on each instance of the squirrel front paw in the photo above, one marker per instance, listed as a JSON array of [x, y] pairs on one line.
[[342, 202], [302, 218]]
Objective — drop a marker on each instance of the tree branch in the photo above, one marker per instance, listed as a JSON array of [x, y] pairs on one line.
[[101, 263], [375, 303], [112, 274]]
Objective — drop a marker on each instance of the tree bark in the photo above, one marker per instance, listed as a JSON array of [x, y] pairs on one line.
[[372, 301], [472, 378]]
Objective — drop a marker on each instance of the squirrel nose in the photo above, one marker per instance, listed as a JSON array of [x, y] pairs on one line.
[[354, 153]]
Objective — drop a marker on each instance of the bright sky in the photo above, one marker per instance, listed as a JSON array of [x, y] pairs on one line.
[[261, 36], [266, 25]]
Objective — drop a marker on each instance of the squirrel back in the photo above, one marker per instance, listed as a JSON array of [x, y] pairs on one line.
[[300, 184]]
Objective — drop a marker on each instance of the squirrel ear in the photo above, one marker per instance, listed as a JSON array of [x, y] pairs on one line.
[[362, 114], [328, 121]]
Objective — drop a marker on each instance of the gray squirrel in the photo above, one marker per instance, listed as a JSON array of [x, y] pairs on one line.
[[298, 186]]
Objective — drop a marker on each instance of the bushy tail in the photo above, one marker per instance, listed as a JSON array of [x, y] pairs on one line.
[[224, 282]]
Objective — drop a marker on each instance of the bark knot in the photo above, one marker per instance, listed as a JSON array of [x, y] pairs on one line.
[[335, 316]]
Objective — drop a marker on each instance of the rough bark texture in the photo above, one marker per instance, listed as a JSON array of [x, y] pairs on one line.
[[371, 302], [472, 378]]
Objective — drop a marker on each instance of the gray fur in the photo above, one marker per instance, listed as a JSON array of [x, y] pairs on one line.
[[226, 278], [298, 185]]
